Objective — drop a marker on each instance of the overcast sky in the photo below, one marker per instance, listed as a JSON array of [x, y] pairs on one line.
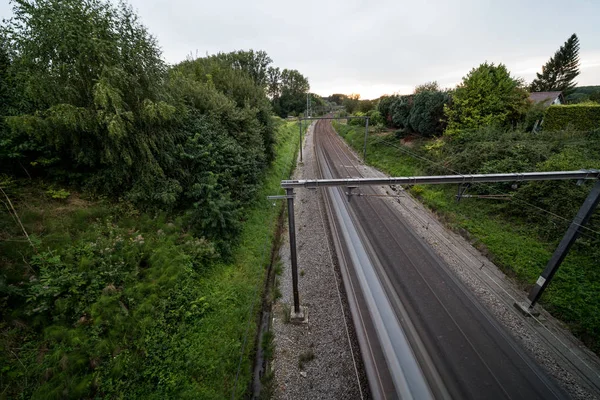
[[379, 47]]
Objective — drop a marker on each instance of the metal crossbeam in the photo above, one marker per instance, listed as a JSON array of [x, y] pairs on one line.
[[317, 118], [445, 179], [574, 230]]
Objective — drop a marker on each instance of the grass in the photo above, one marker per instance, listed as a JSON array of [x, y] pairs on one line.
[[156, 314], [513, 244]]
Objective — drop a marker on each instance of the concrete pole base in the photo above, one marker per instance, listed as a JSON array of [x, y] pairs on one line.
[[524, 308], [301, 317]]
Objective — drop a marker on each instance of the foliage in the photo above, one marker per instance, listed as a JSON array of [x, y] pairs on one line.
[[351, 103], [400, 111], [94, 102], [337, 98], [559, 73], [290, 95], [427, 87], [125, 304], [427, 113], [365, 106], [488, 95], [375, 118], [583, 117], [581, 94], [384, 107], [255, 64]]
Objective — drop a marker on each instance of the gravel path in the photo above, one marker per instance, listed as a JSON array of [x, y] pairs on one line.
[[332, 368]]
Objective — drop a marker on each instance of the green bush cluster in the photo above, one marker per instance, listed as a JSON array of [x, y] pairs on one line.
[[581, 117], [422, 113]]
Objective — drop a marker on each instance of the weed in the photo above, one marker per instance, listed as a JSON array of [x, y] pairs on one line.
[[278, 268], [287, 313], [275, 292], [301, 272], [305, 357]]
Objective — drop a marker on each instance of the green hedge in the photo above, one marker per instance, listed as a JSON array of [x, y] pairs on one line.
[[583, 117]]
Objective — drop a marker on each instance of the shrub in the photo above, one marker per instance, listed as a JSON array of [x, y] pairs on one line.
[[384, 107], [400, 111], [488, 95], [375, 118], [427, 113], [582, 117]]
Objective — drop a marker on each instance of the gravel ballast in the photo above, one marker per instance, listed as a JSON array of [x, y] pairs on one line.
[[318, 359], [335, 372]]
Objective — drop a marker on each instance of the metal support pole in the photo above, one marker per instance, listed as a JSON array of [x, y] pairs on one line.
[[583, 215], [292, 230], [366, 134], [300, 140]]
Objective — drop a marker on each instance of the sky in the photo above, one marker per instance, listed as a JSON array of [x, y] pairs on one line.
[[380, 46]]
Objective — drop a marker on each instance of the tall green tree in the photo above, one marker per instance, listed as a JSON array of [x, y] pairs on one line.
[[92, 75], [254, 63], [487, 95], [560, 71], [293, 87]]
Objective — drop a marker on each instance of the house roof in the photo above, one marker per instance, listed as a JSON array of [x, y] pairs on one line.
[[544, 97]]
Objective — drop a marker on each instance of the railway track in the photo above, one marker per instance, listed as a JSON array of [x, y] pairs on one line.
[[421, 332]]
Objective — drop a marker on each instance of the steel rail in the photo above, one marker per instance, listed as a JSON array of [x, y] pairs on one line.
[[406, 374], [446, 179]]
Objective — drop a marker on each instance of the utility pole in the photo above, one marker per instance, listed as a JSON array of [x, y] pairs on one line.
[[300, 120], [366, 134]]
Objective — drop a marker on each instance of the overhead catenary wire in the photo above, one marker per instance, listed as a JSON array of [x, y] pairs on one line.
[[461, 258], [554, 215]]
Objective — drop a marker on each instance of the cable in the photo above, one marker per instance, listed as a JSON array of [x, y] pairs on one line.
[[476, 257], [490, 188]]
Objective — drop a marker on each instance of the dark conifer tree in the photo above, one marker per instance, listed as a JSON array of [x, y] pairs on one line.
[[561, 70]]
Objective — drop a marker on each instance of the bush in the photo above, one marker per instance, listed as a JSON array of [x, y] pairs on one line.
[[581, 117], [427, 113], [357, 121], [375, 118], [488, 95], [400, 111], [384, 107]]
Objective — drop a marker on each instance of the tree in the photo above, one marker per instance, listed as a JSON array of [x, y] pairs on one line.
[[427, 113], [561, 70], [488, 95], [273, 82], [400, 111], [92, 75], [337, 98], [255, 63], [427, 87], [351, 102], [384, 108]]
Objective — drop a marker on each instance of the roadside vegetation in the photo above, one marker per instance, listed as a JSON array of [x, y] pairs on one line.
[[135, 218], [485, 125]]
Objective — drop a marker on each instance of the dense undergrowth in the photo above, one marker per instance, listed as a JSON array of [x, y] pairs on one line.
[[112, 302], [515, 234]]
